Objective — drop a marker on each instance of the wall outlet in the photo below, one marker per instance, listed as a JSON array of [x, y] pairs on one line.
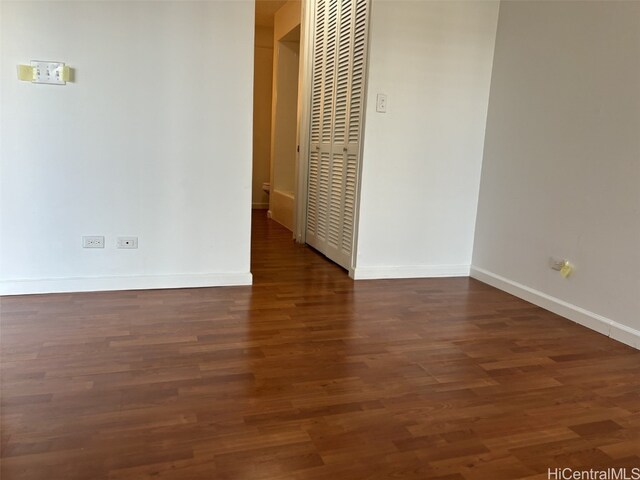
[[127, 242], [93, 241]]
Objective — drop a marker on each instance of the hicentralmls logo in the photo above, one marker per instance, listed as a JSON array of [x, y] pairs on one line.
[[592, 474]]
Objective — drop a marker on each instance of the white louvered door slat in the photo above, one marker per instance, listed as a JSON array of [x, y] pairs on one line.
[[336, 118]]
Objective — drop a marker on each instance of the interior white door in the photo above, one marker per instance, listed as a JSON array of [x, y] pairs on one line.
[[337, 107]]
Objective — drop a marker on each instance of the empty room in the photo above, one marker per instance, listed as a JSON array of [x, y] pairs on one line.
[[319, 239]]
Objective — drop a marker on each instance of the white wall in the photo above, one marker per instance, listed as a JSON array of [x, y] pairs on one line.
[[154, 140], [561, 172], [422, 159]]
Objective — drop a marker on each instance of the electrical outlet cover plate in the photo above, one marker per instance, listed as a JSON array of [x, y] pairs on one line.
[[127, 242], [93, 241]]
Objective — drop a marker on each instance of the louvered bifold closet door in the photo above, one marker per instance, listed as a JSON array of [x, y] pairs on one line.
[[336, 125]]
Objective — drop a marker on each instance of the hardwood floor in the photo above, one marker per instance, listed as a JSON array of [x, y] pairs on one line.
[[309, 375]]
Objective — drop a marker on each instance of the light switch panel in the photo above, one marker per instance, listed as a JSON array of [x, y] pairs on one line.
[[381, 103], [48, 72]]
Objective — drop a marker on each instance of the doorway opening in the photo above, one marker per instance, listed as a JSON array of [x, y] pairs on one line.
[[276, 108], [309, 90], [277, 113]]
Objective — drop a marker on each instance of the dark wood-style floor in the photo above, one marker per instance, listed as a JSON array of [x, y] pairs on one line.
[[309, 375]]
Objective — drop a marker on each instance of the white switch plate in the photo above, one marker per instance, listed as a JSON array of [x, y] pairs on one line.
[[93, 241], [381, 103], [127, 242], [48, 72]]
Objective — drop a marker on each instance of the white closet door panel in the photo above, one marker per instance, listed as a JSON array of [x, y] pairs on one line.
[[312, 192], [343, 72], [317, 82], [336, 189], [331, 40], [350, 188], [323, 197], [358, 71], [317, 79]]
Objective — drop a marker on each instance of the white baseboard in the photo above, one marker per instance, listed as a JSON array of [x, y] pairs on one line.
[[589, 319], [260, 206], [410, 271], [133, 282], [625, 334]]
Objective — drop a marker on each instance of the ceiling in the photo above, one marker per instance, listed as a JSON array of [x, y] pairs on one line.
[[265, 10]]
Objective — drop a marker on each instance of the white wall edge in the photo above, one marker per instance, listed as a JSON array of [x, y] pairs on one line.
[[584, 317], [133, 282], [410, 271]]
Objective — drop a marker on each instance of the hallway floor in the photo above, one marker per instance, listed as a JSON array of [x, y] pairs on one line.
[[309, 375]]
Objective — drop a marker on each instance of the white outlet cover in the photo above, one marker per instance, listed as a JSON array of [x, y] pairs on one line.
[[127, 242], [93, 241]]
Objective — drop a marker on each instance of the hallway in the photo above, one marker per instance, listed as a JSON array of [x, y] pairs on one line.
[[309, 375]]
